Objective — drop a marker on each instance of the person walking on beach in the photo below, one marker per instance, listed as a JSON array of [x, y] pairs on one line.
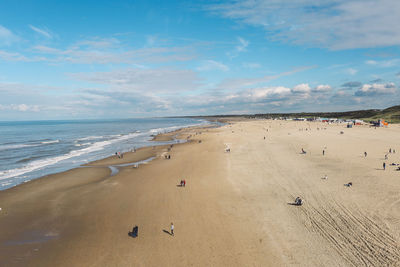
[[365, 154], [323, 152], [184, 182], [172, 229], [384, 166]]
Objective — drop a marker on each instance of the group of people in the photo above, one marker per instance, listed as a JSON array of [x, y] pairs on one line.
[[119, 155], [183, 183], [386, 157]]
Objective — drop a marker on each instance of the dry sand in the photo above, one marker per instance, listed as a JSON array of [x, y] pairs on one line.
[[234, 211]]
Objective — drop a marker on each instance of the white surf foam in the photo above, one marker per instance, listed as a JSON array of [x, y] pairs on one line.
[[50, 142], [16, 146], [40, 164]]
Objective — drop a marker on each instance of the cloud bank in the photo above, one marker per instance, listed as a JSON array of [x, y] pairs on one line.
[[333, 24]]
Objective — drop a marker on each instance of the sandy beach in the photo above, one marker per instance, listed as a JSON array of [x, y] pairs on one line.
[[235, 209]]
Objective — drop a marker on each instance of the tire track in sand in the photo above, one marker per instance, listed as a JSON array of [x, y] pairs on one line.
[[357, 238]]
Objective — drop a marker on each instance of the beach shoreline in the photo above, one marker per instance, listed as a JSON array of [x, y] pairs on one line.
[[234, 209]]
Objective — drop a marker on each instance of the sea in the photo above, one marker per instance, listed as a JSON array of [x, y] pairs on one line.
[[32, 149]]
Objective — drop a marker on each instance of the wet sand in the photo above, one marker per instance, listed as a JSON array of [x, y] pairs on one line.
[[234, 211]]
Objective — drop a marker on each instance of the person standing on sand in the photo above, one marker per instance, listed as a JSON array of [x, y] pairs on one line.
[[384, 166], [365, 154], [323, 152], [172, 229]]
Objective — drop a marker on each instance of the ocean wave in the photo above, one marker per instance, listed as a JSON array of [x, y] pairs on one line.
[[33, 144], [26, 159], [93, 137], [40, 164], [173, 128], [84, 144], [50, 142], [16, 146], [82, 148]]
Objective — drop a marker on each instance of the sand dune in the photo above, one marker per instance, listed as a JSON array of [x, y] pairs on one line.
[[234, 211]]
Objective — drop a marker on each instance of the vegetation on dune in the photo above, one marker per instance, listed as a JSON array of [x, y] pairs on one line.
[[391, 115]]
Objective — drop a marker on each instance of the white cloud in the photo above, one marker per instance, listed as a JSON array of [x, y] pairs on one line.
[[383, 63], [351, 71], [20, 107], [336, 24], [376, 89], [91, 53], [15, 56], [322, 88], [208, 65], [98, 43], [7, 37], [272, 92], [163, 80], [241, 83], [12, 56], [242, 45], [42, 32], [303, 88]]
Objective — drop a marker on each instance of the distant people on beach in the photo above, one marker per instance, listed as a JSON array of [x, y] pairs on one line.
[[303, 151], [298, 201], [349, 184], [384, 166], [183, 183], [365, 154], [172, 228], [135, 231], [323, 152]]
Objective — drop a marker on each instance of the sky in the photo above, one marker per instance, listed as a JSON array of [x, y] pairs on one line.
[[125, 59]]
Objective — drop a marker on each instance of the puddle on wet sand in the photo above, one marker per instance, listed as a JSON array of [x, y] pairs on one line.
[[32, 237]]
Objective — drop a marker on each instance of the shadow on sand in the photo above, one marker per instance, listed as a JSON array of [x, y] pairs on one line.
[[293, 204], [167, 232]]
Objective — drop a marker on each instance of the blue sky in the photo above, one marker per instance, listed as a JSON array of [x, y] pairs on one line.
[[123, 59]]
